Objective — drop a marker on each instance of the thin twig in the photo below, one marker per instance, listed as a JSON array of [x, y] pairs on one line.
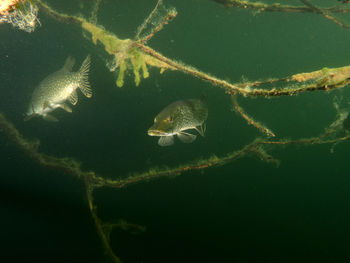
[[325, 14], [94, 12], [98, 223], [143, 26], [170, 16], [277, 7], [250, 120]]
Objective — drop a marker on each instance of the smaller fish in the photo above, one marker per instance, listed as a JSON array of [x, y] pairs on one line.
[[57, 88], [177, 118]]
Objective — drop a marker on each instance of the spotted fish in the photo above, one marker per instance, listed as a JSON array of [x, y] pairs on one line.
[[58, 88], [177, 118]]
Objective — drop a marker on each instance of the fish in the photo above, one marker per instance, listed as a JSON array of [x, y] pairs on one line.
[[59, 87], [179, 117]]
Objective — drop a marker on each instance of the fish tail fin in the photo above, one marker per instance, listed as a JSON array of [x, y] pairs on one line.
[[84, 77], [69, 64]]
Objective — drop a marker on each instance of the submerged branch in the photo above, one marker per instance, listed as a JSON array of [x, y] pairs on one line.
[[325, 14], [92, 180], [139, 56], [143, 26], [170, 16], [277, 7], [99, 224], [93, 17], [250, 120]]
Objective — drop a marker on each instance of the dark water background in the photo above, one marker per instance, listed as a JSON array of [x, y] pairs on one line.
[[246, 211]]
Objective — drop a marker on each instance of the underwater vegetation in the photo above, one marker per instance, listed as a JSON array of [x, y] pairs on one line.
[[133, 56]]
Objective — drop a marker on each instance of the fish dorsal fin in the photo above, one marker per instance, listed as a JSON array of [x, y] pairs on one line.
[[186, 137], [73, 98], [69, 64], [65, 107], [84, 84], [166, 140], [48, 117], [201, 129]]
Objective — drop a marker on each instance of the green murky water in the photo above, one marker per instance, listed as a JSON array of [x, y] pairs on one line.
[[246, 211]]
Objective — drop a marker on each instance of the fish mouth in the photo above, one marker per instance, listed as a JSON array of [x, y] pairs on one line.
[[152, 132]]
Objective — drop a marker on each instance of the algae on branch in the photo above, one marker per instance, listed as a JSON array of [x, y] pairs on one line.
[[126, 54]]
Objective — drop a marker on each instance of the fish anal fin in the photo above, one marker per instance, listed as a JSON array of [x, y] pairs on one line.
[[186, 137], [86, 90], [166, 140], [73, 98], [48, 117], [65, 107]]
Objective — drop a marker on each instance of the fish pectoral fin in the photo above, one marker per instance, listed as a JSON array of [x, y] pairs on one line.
[[201, 129], [29, 117], [186, 137], [48, 117], [166, 140], [73, 98], [65, 107]]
